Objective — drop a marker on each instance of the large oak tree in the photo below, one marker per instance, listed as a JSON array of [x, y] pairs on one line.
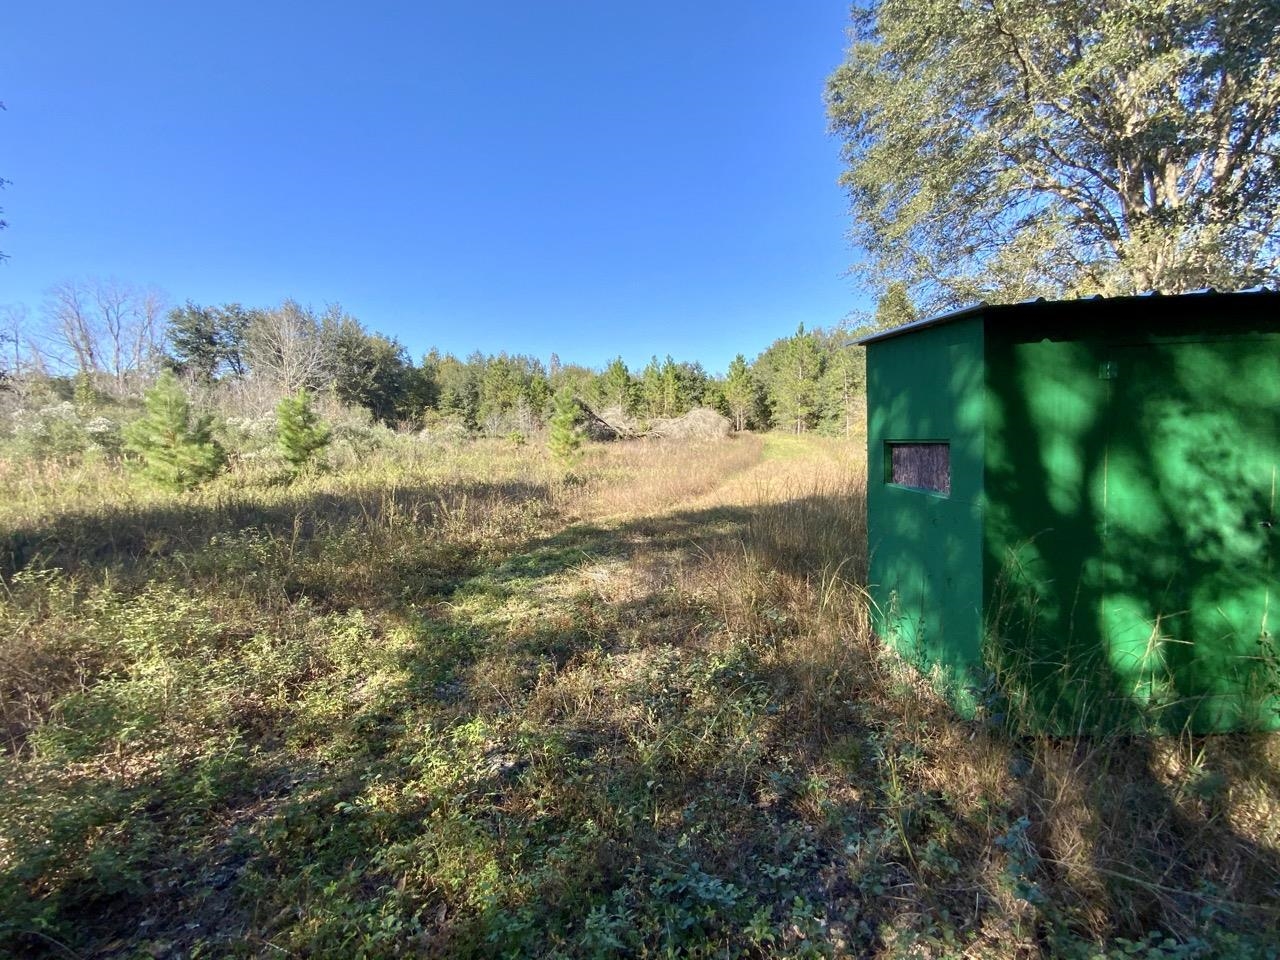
[[1014, 148]]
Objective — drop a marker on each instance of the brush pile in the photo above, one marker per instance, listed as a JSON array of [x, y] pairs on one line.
[[613, 423]]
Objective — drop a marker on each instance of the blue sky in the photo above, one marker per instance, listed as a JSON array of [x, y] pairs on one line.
[[580, 176]]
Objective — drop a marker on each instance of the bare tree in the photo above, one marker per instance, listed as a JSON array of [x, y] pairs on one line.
[[285, 349], [70, 324], [3, 223], [13, 335], [108, 328]]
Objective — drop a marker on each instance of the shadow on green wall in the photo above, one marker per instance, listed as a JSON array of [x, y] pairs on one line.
[[1131, 533]]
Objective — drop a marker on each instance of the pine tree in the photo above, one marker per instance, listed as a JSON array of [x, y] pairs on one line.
[[459, 387], [501, 389], [300, 434], [797, 367], [668, 389], [615, 388], [85, 395], [740, 392], [842, 389], [894, 307], [565, 441], [176, 450]]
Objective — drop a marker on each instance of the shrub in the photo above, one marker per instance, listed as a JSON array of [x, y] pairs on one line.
[[251, 438], [175, 449], [53, 431], [104, 435]]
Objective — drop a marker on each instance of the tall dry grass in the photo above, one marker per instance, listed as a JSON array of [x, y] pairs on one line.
[[1044, 844], [643, 477]]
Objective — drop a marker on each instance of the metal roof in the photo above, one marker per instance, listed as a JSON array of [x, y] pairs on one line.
[[982, 307]]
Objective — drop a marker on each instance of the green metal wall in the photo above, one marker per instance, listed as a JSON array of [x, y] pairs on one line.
[[1109, 548], [926, 548], [1131, 530]]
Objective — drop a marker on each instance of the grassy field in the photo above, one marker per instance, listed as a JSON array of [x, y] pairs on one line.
[[455, 702]]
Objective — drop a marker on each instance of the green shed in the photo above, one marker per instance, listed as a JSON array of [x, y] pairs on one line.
[[1072, 507]]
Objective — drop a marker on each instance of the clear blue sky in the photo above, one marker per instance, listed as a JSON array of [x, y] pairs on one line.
[[580, 176]]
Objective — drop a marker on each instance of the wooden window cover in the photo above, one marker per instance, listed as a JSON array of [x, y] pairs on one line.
[[921, 466]]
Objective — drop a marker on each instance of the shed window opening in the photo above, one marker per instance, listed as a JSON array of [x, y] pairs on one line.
[[920, 466]]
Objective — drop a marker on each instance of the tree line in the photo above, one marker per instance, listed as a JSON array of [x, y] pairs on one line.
[[810, 380], [114, 340]]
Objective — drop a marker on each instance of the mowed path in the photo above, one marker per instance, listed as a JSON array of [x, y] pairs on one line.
[[616, 560], [649, 686]]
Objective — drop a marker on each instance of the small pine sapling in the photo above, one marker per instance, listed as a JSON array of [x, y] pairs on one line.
[[300, 433], [175, 449], [565, 440], [84, 395]]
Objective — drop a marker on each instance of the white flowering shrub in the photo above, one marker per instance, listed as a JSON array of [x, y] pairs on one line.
[[249, 438], [52, 431], [352, 441], [104, 436]]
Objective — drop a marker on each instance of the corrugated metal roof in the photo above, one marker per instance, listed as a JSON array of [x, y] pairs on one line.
[[982, 307]]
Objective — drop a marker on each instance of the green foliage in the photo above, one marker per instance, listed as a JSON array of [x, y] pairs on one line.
[[206, 343], [422, 386], [894, 308], [63, 419], [791, 371], [85, 395], [565, 437], [501, 389], [669, 389], [193, 342], [573, 377], [497, 395], [741, 394], [459, 386], [615, 387], [300, 433], [1006, 150], [51, 431], [513, 391], [175, 449], [369, 370], [843, 385]]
